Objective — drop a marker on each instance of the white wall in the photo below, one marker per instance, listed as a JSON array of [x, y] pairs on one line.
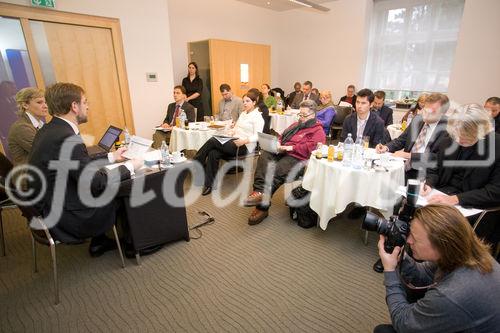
[[195, 20], [476, 70], [146, 43]]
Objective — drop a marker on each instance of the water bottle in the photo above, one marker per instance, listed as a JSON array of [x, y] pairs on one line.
[[279, 102], [348, 150], [126, 134], [183, 118], [357, 160], [165, 158]]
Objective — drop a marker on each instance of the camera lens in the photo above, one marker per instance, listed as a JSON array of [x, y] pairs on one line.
[[371, 222]]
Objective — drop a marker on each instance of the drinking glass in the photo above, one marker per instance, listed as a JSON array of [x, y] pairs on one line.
[[366, 142]]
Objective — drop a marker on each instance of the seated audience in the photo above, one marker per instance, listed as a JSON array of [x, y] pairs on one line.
[[263, 109], [326, 111], [174, 110], [315, 91], [492, 104], [417, 109], [32, 111], [246, 128], [295, 146], [350, 97], [382, 110], [268, 99], [363, 122], [468, 167], [230, 106], [68, 106], [421, 140], [463, 279], [304, 95], [291, 96]]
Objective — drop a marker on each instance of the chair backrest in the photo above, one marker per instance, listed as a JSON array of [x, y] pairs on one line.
[[341, 112], [5, 165]]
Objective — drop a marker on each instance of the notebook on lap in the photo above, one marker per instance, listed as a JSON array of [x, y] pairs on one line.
[[268, 142]]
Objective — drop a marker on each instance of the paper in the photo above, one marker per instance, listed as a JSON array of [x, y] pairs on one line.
[[345, 104], [159, 128], [223, 139], [422, 201], [114, 165], [153, 155], [137, 148]]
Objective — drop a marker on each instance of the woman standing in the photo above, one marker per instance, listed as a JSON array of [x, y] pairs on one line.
[[269, 100], [32, 110], [249, 123], [194, 87], [326, 111]]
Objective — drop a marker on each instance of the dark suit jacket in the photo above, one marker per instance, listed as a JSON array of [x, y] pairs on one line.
[[21, 135], [497, 124], [386, 114], [374, 128], [300, 96], [188, 108], [481, 184], [343, 99], [77, 219], [408, 138]]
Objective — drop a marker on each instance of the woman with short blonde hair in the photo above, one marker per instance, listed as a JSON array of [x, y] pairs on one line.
[[326, 110], [469, 123]]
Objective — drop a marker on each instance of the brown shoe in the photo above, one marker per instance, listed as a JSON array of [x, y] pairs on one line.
[[257, 216], [254, 199]]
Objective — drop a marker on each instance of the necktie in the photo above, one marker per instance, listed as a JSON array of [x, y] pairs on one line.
[[176, 114], [420, 139], [306, 97]]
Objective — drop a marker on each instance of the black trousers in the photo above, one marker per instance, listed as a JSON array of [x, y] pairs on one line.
[[384, 328], [284, 164], [210, 154]]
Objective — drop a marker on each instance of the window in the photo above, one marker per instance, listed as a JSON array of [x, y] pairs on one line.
[[412, 45]]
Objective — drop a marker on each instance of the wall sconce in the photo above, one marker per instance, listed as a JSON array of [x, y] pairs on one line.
[[244, 74]]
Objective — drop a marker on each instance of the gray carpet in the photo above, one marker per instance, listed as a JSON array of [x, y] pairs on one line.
[[273, 277]]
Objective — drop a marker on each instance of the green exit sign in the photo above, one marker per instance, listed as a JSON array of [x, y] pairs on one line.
[[44, 3]]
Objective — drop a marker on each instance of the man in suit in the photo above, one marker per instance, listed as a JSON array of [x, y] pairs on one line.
[[291, 96], [230, 106], [364, 123], [468, 168], [305, 95], [173, 111], [420, 142], [350, 97], [61, 156], [492, 104], [380, 109]]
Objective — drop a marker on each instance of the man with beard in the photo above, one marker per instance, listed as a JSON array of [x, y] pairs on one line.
[[59, 141], [295, 147]]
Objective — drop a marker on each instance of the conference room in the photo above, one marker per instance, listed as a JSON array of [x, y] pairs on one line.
[[247, 165]]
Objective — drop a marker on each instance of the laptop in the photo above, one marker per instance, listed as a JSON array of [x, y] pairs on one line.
[[106, 143], [268, 142]]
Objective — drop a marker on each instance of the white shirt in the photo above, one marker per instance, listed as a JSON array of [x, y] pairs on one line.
[[36, 123], [361, 123], [247, 127], [428, 136], [111, 157]]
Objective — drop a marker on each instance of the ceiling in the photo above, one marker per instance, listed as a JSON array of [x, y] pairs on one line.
[[283, 5]]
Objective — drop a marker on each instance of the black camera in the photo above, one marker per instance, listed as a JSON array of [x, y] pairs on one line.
[[397, 228]]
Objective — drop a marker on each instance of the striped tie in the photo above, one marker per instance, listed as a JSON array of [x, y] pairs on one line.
[[420, 139]]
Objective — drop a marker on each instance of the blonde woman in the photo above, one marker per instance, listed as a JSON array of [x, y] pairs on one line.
[[326, 111], [32, 110], [462, 276]]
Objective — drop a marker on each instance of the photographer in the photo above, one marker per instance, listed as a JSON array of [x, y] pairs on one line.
[[464, 279]]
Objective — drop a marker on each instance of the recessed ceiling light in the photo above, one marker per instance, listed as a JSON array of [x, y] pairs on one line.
[[268, 3]]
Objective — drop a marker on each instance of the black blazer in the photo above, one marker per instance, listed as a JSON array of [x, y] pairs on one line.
[[77, 218], [188, 108], [408, 138], [481, 184], [374, 128], [385, 113], [343, 99], [300, 96]]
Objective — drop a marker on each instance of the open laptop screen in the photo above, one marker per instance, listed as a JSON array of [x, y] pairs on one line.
[[109, 138]]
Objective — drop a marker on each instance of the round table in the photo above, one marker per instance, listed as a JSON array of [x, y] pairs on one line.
[[334, 186], [280, 122], [394, 130], [181, 139]]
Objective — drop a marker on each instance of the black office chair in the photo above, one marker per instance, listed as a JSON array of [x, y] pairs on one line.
[[5, 203], [488, 219], [341, 112]]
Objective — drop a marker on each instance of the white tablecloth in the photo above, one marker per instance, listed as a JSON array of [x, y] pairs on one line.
[[280, 122], [394, 130], [189, 139], [334, 186]]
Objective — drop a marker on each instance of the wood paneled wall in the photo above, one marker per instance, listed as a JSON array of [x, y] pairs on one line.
[[225, 59]]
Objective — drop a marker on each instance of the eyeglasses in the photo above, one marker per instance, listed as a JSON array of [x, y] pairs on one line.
[[305, 115]]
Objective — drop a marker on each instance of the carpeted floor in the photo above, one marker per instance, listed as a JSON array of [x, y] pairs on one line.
[[273, 277]]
